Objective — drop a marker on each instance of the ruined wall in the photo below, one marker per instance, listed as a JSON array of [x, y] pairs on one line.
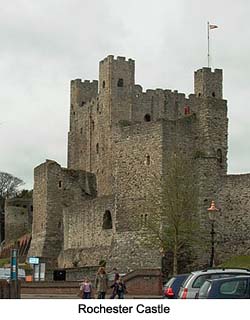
[[18, 218], [86, 240], [2, 222], [55, 187]]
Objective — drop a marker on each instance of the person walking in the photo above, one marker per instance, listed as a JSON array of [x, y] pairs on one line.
[[115, 284], [116, 274], [101, 283], [121, 288], [115, 288], [86, 289]]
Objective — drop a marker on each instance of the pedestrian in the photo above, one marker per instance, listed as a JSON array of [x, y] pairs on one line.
[[121, 288], [117, 276], [86, 289], [115, 284], [101, 283]]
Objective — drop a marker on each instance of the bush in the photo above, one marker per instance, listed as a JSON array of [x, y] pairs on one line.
[[4, 261]]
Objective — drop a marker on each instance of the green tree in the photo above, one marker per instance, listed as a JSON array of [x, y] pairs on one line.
[[174, 226]]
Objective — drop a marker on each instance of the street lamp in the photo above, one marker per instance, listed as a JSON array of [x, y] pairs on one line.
[[212, 216]]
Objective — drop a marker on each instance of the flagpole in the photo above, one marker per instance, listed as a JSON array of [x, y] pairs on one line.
[[208, 55]]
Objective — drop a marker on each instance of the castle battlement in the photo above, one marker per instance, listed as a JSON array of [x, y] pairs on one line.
[[79, 82], [111, 58], [209, 70]]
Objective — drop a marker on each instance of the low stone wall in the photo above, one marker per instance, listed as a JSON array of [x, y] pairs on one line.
[[145, 282], [51, 287], [140, 283]]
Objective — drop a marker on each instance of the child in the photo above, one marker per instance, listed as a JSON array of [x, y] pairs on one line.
[[121, 288], [86, 289], [115, 288]]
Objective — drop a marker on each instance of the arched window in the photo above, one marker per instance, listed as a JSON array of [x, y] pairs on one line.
[[92, 125], [97, 148], [213, 94], [120, 83], [147, 160], [141, 220], [219, 155], [147, 117], [107, 220], [103, 84]]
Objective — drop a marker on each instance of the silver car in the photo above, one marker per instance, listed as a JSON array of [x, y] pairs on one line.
[[191, 287]]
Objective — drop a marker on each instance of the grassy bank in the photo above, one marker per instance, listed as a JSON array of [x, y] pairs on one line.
[[237, 262]]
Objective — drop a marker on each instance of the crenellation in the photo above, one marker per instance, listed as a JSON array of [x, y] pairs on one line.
[[121, 58]]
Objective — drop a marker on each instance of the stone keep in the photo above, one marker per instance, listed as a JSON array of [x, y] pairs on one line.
[[119, 142]]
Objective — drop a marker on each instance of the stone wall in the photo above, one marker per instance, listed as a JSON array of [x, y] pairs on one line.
[[55, 188], [18, 218], [2, 222], [233, 221]]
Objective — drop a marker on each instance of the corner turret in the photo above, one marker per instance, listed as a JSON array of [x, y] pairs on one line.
[[116, 84], [208, 83]]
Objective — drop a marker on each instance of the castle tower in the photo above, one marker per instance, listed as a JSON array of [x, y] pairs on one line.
[[81, 93], [211, 139], [212, 116], [47, 236], [208, 83], [116, 84]]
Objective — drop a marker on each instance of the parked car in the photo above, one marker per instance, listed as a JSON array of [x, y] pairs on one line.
[[226, 288], [172, 287], [191, 286]]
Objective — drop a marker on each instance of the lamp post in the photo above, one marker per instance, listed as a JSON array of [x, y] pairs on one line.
[[212, 216]]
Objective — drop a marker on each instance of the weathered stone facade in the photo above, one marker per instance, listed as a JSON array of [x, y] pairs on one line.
[[18, 219], [119, 143]]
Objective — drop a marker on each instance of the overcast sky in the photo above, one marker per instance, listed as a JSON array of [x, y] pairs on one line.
[[44, 44]]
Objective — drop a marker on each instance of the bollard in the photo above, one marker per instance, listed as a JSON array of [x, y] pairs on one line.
[[14, 284]]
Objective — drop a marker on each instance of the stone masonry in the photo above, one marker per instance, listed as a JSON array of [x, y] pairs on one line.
[[119, 142], [18, 219]]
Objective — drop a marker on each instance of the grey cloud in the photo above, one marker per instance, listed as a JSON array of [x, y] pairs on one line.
[[44, 44]]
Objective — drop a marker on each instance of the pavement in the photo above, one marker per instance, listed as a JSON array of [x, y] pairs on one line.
[[65, 296]]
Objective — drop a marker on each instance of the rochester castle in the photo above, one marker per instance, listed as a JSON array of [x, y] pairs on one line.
[[119, 142]]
